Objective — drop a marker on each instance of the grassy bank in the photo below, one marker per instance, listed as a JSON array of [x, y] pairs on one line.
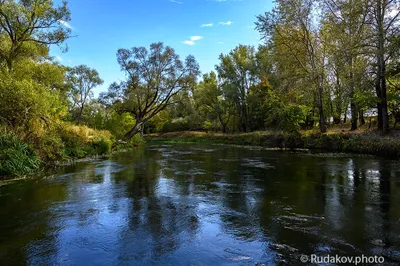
[[26, 152], [23, 153], [351, 142]]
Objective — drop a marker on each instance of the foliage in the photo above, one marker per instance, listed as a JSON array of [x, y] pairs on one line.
[[16, 156], [82, 81], [237, 73], [28, 27], [82, 141], [25, 101], [155, 76], [285, 115], [322, 61]]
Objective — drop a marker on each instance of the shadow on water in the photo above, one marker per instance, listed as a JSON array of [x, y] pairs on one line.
[[203, 205]]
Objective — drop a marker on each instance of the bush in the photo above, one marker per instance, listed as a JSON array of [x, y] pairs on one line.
[[24, 101], [207, 125], [16, 157], [283, 115], [82, 141], [177, 124]]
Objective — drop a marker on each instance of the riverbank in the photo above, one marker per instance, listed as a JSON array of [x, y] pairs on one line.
[[350, 142], [23, 154]]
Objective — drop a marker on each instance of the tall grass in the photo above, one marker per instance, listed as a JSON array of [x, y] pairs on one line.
[[16, 157], [23, 152], [82, 141]]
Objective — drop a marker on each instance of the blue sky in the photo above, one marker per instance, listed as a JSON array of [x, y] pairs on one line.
[[102, 27]]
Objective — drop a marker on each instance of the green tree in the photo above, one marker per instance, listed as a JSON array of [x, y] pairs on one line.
[[237, 71], [28, 27], [154, 77], [385, 18], [346, 31], [82, 80], [293, 28], [32, 93], [211, 102]]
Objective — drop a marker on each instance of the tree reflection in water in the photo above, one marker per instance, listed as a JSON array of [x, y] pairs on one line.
[[202, 204]]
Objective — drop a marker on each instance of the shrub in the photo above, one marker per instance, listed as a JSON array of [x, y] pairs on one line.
[[16, 157], [81, 141]]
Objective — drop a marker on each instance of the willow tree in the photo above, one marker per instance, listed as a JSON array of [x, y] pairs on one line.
[[28, 27], [153, 78]]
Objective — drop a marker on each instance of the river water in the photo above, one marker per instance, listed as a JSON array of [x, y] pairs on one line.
[[192, 204]]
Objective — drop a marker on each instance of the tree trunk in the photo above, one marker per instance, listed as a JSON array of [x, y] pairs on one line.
[[310, 119], [378, 106], [322, 126], [221, 121], [383, 124], [354, 115], [353, 107], [80, 114], [383, 118], [136, 129], [244, 118], [385, 114], [361, 117]]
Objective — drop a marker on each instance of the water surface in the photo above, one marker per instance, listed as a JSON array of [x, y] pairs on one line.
[[188, 204]]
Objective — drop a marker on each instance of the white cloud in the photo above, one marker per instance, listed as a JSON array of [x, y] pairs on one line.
[[196, 38], [188, 42], [59, 58], [207, 25], [220, 42], [226, 23], [66, 24], [192, 40], [176, 2], [251, 27]]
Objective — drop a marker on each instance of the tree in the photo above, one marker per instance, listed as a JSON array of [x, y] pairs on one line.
[[293, 28], [238, 69], [346, 28], [211, 102], [385, 17], [31, 94], [154, 77], [28, 27], [82, 80]]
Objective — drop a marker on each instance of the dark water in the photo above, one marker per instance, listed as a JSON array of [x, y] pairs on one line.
[[203, 205]]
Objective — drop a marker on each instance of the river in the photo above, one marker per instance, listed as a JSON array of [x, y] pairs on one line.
[[196, 204]]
